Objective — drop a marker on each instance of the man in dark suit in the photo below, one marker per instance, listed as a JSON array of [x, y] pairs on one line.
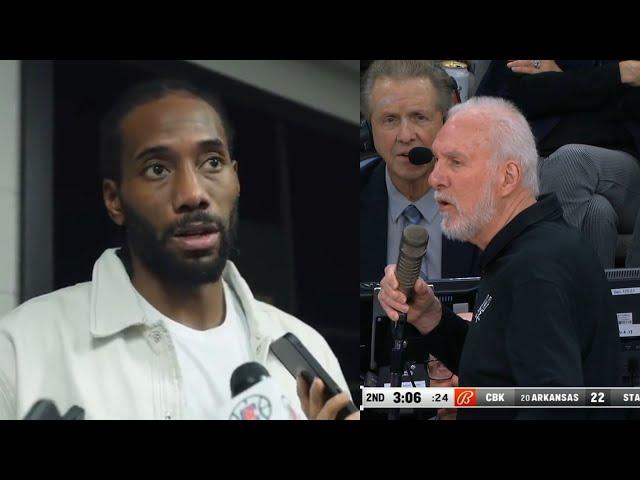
[[405, 103]]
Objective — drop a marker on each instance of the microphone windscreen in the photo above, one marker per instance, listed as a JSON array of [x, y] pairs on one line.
[[420, 155], [245, 376], [413, 247]]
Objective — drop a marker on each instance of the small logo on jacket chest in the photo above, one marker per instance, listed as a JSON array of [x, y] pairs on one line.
[[482, 308]]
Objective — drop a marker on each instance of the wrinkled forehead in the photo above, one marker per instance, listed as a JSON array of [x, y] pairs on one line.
[[468, 132], [389, 93]]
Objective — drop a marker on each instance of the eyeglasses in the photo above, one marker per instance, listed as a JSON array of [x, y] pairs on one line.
[[438, 371]]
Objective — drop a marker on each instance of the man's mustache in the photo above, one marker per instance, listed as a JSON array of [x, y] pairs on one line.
[[441, 197], [203, 218]]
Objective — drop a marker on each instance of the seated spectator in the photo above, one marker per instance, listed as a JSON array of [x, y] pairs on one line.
[[585, 117]]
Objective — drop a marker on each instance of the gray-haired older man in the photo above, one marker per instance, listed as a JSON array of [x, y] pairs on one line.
[[544, 316], [406, 102]]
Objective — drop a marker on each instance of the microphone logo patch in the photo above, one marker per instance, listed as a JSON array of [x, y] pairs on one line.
[[255, 407]]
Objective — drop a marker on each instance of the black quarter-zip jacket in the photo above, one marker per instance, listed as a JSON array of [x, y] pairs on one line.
[[543, 316]]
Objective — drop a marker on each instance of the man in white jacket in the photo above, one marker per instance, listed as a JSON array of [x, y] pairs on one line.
[[166, 319]]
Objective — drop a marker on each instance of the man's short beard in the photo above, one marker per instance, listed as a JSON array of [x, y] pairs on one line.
[[467, 225], [187, 271]]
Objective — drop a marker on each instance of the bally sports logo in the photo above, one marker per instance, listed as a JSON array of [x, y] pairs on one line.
[[465, 397]]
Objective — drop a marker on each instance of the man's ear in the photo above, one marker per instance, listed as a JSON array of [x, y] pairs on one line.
[[112, 201], [512, 174]]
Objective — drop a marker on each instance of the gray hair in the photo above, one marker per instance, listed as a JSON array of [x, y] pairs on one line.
[[511, 135], [405, 69]]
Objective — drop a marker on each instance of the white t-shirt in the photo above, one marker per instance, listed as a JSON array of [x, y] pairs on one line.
[[207, 358]]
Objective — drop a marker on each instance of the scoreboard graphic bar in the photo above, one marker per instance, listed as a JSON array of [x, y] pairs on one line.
[[615, 397]]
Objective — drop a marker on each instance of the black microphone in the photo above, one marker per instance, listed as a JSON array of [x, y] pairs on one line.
[[413, 247], [74, 413], [47, 410], [246, 376], [256, 396], [43, 410], [420, 155]]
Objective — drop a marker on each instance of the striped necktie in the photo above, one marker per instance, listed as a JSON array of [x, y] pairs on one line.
[[412, 214], [413, 217]]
